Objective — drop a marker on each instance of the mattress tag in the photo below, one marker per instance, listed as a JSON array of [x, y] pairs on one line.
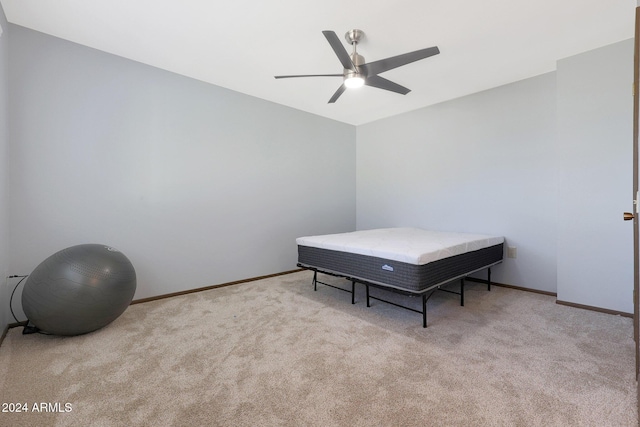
[[387, 267]]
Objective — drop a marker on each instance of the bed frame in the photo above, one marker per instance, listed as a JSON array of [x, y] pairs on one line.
[[404, 278]]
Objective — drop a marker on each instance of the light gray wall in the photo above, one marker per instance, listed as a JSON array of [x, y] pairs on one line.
[[595, 135], [4, 201], [196, 184], [485, 163]]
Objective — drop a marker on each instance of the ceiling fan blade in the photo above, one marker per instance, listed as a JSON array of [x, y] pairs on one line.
[[377, 67], [382, 83], [339, 49], [310, 75], [336, 95]]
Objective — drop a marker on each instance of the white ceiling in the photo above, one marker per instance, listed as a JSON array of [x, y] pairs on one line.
[[242, 44]]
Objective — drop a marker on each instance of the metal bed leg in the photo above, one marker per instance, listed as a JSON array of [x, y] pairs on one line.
[[367, 286], [315, 280], [462, 291], [353, 292], [424, 310], [489, 279], [425, 298]]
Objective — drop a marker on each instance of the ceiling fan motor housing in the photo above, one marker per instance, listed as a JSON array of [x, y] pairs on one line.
[[357, 59]]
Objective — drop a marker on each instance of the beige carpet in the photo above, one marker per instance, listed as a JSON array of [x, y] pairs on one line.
[[275, 353]]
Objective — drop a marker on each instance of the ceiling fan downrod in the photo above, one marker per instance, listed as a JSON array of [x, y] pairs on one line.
[[353, 37]]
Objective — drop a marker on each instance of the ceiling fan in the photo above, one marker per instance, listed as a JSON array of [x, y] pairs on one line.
[[357, 73]]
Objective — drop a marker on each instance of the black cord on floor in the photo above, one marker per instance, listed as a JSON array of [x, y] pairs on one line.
[[11, 299], [27, 329]]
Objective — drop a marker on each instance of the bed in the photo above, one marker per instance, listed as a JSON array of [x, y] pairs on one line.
[[410, 261]]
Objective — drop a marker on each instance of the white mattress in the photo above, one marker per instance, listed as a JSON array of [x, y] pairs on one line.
[[409, 245]]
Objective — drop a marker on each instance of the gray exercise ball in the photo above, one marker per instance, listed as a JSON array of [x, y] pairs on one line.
[[79, 289]]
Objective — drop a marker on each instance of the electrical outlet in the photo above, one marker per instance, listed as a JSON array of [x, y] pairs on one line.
[[512, 252]]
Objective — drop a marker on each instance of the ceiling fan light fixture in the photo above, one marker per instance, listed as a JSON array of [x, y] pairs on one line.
[[353, 82]]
